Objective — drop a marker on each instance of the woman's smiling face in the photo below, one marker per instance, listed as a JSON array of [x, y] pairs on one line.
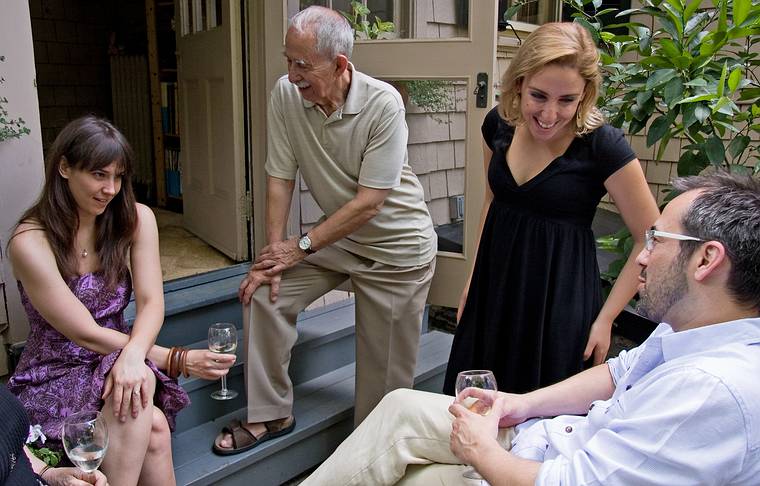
[[549, 101], [93, 189]]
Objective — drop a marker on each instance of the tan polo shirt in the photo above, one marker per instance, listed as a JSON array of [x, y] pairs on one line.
[[363, 142]]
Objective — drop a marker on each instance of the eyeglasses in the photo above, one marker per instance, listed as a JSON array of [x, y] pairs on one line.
[[651, 234]]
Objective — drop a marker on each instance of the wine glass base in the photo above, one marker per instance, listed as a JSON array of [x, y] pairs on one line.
[[228, 395]]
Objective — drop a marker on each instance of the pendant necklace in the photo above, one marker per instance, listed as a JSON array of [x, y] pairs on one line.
[[84, 253]]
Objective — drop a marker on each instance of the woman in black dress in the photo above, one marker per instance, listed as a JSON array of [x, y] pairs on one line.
[[532, 309]]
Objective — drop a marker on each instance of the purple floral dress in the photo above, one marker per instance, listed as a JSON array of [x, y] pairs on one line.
[[56, 377]]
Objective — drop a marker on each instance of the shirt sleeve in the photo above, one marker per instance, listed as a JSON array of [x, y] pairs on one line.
[[385, 154], [611, 150], [281, 160], [490, 126], [686, 424]]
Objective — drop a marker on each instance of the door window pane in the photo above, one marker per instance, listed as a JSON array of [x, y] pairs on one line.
[[436, 117], [411, 19]]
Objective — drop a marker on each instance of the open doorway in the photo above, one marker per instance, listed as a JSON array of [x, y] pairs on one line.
[[118, 59]]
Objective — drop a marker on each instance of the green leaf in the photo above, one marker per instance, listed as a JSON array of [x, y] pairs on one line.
[[714, 150], [695, 22], [682, 62], [741, 10], [689, 118], [511, 11], [660, 77], [749, 94], [702, 97], [696, 82], [663, 145], [657, 129], [591, 29], [722, 80], [737, 145], [669, 48], [674, 14], [689, 11], [734, 78], [673, 92], [691, 164]]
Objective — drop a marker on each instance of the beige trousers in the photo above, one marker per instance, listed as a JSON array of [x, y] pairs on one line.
[[405, 440], [389, 305]]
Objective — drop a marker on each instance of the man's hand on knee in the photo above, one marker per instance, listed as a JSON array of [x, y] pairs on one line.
[[278, 257], [255, 279]]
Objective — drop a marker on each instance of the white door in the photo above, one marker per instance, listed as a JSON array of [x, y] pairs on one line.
[[209, 73], [441, 50]]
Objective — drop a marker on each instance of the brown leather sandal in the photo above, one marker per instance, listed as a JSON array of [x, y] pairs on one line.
[[243, 439]]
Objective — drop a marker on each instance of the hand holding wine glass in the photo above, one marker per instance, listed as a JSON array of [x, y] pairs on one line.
[[85, 439], [482, 379], [222, 338]]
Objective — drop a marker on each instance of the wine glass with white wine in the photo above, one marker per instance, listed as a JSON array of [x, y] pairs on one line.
[[475, 379], [222, 338], [85, 439]]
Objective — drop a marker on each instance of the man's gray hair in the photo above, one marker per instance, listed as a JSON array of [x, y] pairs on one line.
[[728, 210], [333, 33]]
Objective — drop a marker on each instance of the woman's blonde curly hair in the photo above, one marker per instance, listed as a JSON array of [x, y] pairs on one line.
[[557, 43]]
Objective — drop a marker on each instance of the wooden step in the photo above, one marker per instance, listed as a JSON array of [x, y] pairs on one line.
[[325, 342], [323, 409]]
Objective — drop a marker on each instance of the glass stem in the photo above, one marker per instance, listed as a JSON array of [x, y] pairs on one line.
[[224, 385]]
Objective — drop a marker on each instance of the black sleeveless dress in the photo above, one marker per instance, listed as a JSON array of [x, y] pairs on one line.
[[535, 288]]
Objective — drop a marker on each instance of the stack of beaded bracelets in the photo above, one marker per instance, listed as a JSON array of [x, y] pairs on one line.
[[177, 362]]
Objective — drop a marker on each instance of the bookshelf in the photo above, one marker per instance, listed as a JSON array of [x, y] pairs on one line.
[[162, 64]]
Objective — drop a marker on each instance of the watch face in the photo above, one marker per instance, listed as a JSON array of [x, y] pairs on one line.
[[304, 243]]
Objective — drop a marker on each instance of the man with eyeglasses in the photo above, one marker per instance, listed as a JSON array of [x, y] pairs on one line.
[[681, 409], [346, 134]]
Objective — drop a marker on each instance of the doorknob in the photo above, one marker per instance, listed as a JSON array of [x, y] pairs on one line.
[[481, 91]]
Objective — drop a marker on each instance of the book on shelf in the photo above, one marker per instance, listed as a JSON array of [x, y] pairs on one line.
[[169, 108]]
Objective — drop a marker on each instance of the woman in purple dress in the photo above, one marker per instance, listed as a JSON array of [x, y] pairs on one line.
[[77, 254]]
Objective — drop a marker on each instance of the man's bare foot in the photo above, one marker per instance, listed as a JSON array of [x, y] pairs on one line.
[[256, 430]]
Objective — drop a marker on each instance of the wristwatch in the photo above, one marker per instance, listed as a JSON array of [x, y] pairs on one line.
[[304, 243]]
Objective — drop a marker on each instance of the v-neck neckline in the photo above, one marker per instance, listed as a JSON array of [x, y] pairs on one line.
[[543, 174]]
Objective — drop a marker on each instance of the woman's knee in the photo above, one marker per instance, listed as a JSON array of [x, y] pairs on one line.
[[160, 434]]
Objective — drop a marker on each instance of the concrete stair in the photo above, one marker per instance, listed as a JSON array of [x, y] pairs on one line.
[[322, 370]]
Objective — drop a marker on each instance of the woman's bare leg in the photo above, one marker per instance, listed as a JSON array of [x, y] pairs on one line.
[[158, 467], [127, 442]]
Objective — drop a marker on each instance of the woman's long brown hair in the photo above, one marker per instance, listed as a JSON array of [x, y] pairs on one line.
[[88, 143]]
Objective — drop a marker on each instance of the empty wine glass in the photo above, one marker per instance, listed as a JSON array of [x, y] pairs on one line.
[[475, 379], [222, 338], [85, 439]]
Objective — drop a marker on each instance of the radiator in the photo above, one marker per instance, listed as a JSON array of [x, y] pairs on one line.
[[130, 94]]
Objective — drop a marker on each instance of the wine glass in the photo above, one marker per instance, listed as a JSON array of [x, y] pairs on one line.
[[475, 379], [222, 338], [85, 439]]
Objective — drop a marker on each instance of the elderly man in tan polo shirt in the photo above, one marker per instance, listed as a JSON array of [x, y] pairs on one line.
[[347, 134]]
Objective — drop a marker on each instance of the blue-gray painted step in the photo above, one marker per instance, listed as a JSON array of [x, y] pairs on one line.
[[323, 409], [325, 342]]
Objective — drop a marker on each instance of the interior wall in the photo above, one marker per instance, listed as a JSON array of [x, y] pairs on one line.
[[72, 42]]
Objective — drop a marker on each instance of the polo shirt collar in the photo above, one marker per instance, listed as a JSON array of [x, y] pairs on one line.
[[357, 95]]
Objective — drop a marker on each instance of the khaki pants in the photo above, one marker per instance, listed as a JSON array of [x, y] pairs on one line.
[[405, 440], [390, 302]]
